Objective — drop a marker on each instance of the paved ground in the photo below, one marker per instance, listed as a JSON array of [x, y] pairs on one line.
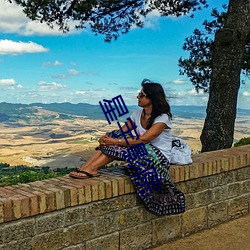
[[233, 235]]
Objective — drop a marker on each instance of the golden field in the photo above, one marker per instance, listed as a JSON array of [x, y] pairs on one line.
[[32, 145]]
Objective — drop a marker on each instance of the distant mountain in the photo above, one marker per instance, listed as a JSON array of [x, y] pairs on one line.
[[93, 112], [10, 112]]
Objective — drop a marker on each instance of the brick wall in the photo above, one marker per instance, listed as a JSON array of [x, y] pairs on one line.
[[105, 213]]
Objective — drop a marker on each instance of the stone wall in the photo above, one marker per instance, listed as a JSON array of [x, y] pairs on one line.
[[105, 213]]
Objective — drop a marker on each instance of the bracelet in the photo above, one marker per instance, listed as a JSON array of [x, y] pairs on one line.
[[119, 141]]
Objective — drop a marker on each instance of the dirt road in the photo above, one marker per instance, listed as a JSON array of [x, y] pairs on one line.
[[233, 235]]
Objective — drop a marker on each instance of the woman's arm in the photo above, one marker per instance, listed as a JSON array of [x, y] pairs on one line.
[[151, 134], [124, 128]]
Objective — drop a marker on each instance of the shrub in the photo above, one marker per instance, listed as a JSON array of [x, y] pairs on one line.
[[22, 174], [242, 142]]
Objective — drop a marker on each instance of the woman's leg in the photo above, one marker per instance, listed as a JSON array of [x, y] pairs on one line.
[[98, 160], [92, 159]]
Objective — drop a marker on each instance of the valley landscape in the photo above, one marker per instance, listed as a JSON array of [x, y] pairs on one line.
[[65, 135]]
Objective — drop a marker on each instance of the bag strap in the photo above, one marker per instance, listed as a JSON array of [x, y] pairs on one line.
[[176, 143]]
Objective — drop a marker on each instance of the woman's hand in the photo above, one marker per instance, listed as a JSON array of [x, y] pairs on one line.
[[107, 141]]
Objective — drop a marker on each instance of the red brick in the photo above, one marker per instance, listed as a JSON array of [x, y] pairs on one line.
[[121, 185], [114, 183], [225, 164], [210, 168], [7, 209], [78, 184], [49, 197], [94, 193], [107, 186], [182, 174], [39, 184], [177, 174], [50, 200], [197, 170], [108, 189], [73, 195], [172, 173], [101, 191], [201, 170], [1, 211], [59, 198], [25, 206], [132, 188], [192, 171], [87, 193], [94, 187], [115, 188], [6, 192], [187, 172], [214, 167], [17, 210], [41, 201], [33, 200], [127, 185]]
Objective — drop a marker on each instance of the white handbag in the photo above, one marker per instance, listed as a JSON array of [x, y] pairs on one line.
[[180, 152]]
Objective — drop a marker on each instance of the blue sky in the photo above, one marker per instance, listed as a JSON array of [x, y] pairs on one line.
[[38, 64]]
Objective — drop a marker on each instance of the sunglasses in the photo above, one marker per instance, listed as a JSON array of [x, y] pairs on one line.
[[140, 94]]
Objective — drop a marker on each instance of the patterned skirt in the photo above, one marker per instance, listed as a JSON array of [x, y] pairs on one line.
[[151, 178]]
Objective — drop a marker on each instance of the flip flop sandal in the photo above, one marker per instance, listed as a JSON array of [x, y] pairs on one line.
[[87, 175]]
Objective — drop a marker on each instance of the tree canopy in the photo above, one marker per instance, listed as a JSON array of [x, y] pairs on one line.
[[108, 17], [198, 67]]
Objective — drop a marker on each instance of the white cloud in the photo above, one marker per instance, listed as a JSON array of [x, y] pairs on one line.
[[187, 97], [73, 72], [51, 86], [10, 84], [194, 92], [13, 20], [180, 93], [152, 19], [80, 92], [15, 48], [100, 89], [7, 82], [60, 76], [19, 86], [246, 93], [55, 63], [178, 81]]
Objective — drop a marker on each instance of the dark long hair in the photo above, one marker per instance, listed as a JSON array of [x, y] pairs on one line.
[[155, 93]]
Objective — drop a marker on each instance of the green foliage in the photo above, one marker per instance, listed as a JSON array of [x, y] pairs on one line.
[[198, 67], [109, 17], [23, 174], [242, 142]]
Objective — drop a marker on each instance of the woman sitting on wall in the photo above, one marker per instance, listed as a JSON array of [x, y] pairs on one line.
[[153, 127]]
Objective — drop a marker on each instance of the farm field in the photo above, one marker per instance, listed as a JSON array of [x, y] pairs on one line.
[[62, 143]]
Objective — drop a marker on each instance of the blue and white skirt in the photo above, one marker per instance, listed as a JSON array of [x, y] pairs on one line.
[[151, 178]]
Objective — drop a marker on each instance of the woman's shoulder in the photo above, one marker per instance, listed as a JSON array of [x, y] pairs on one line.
[[137, 112], [163, 118]]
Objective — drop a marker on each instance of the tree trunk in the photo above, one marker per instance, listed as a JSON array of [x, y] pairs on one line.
[[227, 56]]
